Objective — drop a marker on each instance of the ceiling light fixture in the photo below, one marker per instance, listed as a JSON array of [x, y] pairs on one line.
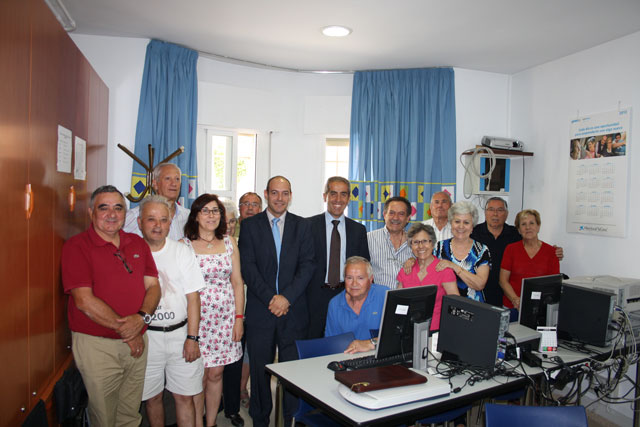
[[336, 31]]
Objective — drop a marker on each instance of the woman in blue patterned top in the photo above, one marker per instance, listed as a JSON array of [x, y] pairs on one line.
[[469, 259]]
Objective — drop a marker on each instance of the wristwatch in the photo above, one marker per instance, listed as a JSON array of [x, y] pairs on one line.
[[146, 317], [196, 338]]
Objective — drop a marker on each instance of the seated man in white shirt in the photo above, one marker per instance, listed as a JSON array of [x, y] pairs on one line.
[[358, 308], [174, 352]]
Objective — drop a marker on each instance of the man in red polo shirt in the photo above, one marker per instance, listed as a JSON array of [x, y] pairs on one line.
[[113, 283]]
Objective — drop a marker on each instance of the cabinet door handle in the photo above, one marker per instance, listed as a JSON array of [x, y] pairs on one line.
[[28, 198], [72, 198]]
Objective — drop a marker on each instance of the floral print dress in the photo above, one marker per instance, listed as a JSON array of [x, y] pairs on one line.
[[217, 309]]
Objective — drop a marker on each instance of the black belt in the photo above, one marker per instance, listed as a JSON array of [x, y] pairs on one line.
[[168, 328], [333, 287]]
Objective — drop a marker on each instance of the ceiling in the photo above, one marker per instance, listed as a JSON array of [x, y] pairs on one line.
[[504, 36]]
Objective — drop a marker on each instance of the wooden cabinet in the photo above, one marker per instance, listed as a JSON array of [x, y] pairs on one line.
[[44, 82]]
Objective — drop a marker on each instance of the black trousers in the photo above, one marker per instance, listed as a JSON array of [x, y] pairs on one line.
[[318, 302], [231, 377], [262, 343]]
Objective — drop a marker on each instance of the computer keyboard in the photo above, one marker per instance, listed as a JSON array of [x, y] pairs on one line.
[[371, 361]]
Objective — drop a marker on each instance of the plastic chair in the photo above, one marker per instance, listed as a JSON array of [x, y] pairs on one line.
[[534, 416], [306, 413]]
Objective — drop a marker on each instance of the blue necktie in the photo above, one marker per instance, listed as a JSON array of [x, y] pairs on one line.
[[276, 238]]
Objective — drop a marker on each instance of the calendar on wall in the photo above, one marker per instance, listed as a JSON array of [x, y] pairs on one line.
[[598, 175]]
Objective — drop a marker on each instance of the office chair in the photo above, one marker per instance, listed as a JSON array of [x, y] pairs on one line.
[[534, 416], [306, 413]]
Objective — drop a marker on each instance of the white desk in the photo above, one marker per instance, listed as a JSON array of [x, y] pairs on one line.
[[311, 380]]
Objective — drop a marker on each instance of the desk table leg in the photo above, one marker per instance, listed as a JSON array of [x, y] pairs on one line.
[[279, 402], [636, 404]]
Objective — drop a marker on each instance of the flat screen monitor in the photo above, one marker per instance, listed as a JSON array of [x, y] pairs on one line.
[[539, 301], [403, 308]]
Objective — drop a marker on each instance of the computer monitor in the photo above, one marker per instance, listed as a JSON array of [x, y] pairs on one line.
[[403, 308], [539, 301]]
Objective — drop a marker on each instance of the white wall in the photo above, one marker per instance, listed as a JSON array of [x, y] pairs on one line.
[[544, 100], [295, 112]]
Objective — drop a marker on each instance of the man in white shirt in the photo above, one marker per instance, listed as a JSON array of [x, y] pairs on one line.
[[174, 352], [166, 182], [440, 204]]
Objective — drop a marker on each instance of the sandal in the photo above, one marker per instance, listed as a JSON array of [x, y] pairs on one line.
[[244, 398]]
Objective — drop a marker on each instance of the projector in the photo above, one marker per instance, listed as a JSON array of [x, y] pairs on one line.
[[502, 143]]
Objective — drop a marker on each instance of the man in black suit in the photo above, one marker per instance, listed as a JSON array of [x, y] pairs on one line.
[[276, 312], [352, 242]]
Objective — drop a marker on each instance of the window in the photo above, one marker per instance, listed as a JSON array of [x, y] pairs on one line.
[[230, 167], [336, 162]]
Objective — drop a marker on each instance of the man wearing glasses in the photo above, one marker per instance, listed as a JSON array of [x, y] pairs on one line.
[[114, 288], [497, 234], [249, 205]]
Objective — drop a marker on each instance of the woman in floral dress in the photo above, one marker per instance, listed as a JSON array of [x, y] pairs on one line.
[[221, 302]]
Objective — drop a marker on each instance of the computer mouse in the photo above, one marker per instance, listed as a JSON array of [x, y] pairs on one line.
[[336, 366]]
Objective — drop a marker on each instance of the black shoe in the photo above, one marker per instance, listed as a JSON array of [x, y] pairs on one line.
[[236, 420]]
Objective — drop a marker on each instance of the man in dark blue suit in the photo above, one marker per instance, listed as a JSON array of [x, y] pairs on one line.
[[276, 251], [352, 241]]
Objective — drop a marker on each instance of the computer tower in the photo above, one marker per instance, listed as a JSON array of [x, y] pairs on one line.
[[585, 315], [472, 332]]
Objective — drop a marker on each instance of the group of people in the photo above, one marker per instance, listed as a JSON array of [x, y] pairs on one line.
[[158, 292], [602, 146]]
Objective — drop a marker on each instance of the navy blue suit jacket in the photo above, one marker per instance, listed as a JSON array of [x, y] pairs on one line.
[[259, 268], [356, 244], [318, 298]]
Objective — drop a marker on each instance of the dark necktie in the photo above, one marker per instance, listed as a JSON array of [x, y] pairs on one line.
[[334, 256]]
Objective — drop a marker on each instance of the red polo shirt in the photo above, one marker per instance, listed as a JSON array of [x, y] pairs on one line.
[[89, 261]]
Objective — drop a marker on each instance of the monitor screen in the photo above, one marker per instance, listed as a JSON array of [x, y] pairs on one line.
[[403, 308], [539, 300]]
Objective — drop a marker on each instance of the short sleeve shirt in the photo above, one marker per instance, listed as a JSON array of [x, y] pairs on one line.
[[89, 261], [341, 318], [477, 256]]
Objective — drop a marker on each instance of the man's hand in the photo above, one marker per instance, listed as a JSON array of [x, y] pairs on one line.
[[559, 252], [279, 305], [190, 350], [358, 346], [136, 344], [129, 326], [408, 265], [238, 330]]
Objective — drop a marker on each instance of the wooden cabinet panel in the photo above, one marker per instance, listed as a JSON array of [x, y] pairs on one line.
[[44, 82], [14, 138]]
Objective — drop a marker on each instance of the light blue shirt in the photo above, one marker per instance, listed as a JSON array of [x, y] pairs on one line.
[[343, 242], [341, 318]]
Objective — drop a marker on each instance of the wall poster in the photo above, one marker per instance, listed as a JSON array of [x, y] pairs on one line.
[[598, 162]]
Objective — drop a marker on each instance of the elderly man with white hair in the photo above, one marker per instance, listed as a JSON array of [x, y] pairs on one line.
[[166, 182]]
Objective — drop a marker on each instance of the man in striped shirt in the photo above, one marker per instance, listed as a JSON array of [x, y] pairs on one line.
[[388, 246]]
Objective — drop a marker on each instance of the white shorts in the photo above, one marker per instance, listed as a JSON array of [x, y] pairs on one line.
[[165, 361]]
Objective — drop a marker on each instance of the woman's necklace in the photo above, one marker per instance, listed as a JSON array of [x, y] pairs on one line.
[[209, 242]]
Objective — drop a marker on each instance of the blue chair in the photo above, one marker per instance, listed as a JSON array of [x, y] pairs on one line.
[[445, 417], [534, 416], [306, 413]]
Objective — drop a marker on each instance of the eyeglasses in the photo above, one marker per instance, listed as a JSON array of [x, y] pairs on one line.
[[252, 204], [212, 211], [421, 242], [124, 262], [499, 210]]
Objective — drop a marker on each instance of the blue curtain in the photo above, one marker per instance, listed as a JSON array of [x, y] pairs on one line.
[[167, 114], [403, 140]]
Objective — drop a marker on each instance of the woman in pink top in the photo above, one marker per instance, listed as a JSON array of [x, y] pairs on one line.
[[422, 239]]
